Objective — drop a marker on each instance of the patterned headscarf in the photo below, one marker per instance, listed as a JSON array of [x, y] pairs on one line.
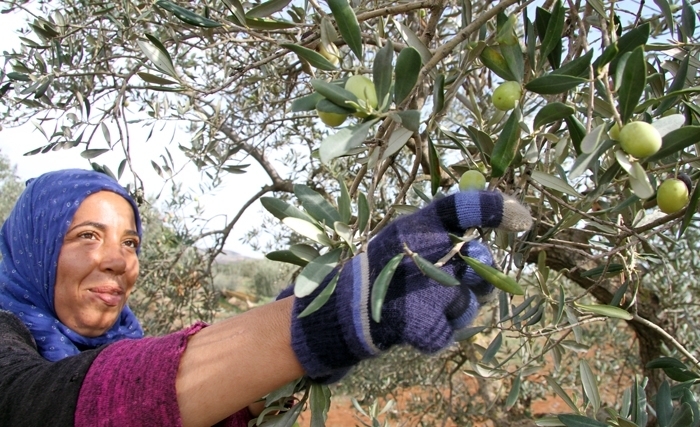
[[31, 239]]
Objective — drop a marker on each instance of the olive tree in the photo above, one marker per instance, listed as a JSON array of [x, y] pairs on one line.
[[10, 186], [581, 109]]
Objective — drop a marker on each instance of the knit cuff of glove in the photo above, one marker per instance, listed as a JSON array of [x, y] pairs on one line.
[[337, 336]]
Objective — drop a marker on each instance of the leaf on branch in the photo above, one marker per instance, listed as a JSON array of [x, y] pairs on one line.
[[554, 183], [481, 139], [677, 84], [315, 205], [382, 72], [553, 34], [439, 94], [150, 78], [397, 140], [666, 362], [409, 119], [91, 153], [236, 8], [552, 84], [286, 256], [308, 229], [639, 181], [236, 169], [468, 332], [281, 209], [158, 55], [542, 22], [187, 16], [605, 310], [552, 112], [628, 42], [514, 392], [492, 349], [264, 24], [681, 375], [414, 41], [344, 201], [590, 385], [583, 161], [608, 269], [633, 83], [319, 403], [340, 143], [669, 123], [495, 277], [345, 232], [688, 18], [690, 210], [507, 145], [305, 252], [513, 55], [676, 141], [348, 26], [683, 416], [408, 65], [311, 56], [381, 285], [306, 103], [579, 67], [434, 162], [322, 297], [434, 272], [494, 61], [362, 212], [561, 393], [313, 274], [20, 77], [267, 8], [334, 92]]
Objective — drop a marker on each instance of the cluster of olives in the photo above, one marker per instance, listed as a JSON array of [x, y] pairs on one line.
[[640, 140], [360, 86]]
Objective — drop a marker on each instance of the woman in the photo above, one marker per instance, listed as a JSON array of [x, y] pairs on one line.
[[72, 353]]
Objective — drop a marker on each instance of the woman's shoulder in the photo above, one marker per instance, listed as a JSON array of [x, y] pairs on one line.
[[12, 329]]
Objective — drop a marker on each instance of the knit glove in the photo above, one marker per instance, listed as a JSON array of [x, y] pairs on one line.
[[417, 310]]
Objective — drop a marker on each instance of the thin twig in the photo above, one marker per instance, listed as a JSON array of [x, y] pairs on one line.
[[669, 337]]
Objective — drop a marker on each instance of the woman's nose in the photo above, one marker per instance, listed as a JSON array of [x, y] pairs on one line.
[[113, 258]]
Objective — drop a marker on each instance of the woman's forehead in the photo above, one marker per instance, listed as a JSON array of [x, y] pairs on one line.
[[105, 205]]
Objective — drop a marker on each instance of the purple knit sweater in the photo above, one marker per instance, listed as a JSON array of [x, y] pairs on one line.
[[132, 383]]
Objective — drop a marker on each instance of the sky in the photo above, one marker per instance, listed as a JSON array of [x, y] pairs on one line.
[[221, 205]]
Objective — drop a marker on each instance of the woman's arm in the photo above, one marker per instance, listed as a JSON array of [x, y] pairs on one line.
[[195, 377], [233, 363], [34, 391]]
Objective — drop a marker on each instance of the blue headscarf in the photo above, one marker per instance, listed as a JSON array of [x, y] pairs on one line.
[[31, 239]]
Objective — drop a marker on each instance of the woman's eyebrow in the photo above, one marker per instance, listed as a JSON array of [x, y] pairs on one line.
[[97, 225], [100, 227]]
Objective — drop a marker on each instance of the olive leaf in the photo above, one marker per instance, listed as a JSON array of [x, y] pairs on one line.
[[381, 285], [495, 277], [348, 26]]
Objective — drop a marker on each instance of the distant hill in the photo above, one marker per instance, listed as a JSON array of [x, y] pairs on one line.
[[229, 257]]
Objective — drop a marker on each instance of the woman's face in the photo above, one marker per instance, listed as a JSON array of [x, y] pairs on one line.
[[97, 265]]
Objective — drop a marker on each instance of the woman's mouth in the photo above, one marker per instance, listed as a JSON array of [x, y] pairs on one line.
[[110, 295]]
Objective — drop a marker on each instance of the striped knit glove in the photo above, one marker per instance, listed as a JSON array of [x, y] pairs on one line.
[[417, 310]]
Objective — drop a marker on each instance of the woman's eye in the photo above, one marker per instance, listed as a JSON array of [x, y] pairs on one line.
[[132, 243], [87, 235]]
